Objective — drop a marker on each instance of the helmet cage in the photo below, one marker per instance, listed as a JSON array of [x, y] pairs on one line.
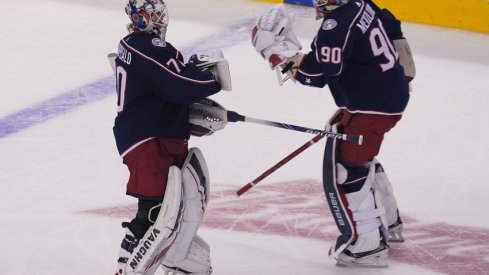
[[326, 6], [148, 15]]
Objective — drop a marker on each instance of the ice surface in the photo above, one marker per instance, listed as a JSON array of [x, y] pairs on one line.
[[63, 182]]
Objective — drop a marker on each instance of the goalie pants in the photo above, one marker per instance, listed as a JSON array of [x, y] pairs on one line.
[[372, 127], [149, 163]]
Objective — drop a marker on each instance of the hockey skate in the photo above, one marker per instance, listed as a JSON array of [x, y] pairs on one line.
[[127, 246], [176, 271], [375, 258]]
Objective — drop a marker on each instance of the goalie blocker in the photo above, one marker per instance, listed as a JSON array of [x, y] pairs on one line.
[[214, 61], [171, 242]]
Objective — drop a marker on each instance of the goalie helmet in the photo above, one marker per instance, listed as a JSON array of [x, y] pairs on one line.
[[148, 16], [325, 6], [206, 117]]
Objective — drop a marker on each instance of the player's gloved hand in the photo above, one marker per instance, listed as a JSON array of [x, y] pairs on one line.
[[207, 58], [273, 37], [214, 61], [206, 117]]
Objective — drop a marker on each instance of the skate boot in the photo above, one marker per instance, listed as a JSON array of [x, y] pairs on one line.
[[369, 251], [127, 246]]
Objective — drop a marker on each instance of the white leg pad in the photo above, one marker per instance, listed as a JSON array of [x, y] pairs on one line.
[[160, 236], [197, 260], [384, 191], [366, 213], [195, 177], [362, 203]]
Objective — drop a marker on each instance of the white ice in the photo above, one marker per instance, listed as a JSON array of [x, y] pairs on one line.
[[53, 171]]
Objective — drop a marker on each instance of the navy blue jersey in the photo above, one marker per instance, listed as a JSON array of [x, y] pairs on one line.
[[353, 53], [391, 24], [155, 89]]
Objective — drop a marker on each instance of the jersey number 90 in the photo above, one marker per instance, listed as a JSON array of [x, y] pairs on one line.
[[379, 43]]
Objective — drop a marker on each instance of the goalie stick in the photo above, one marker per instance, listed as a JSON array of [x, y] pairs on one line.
[[235, 117], [111, 57], [208, 110], [279, 164]]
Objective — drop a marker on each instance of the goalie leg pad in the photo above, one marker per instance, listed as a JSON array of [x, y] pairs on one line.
[[336, 199], [196, 185], [197, 260], [384, 191], [161, 235], [367, 213], [352, 203], [369, 249], [196, 191]]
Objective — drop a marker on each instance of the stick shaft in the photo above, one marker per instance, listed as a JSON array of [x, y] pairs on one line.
[[279, 164], [352, 138], [235, 117]]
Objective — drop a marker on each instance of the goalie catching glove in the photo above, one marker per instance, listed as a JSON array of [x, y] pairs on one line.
[[206, 117], [214, 61], [273, 37]]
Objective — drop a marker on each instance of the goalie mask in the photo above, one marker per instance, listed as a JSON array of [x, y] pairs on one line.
[[325, 6], [148, 16]]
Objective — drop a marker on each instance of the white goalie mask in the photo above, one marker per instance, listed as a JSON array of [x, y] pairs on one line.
[[325, 6], [148, 16]]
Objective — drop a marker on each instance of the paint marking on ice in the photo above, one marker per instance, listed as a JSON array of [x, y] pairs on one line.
[[300, 210]]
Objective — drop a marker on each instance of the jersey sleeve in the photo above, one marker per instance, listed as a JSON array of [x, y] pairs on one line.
[[179, 82], [310, 72], [327, 55], [163, 69]]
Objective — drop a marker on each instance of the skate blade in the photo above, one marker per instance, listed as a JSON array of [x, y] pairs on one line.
[[377, 260], [361, 265], [396, 238]]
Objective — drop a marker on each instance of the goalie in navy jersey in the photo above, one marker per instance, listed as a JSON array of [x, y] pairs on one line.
[[360, 53], [155, 88]]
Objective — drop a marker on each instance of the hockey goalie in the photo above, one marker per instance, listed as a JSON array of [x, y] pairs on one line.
[[172, 241], [155, 91], [361, 54]]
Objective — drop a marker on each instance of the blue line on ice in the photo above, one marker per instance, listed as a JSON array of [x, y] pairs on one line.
[[100, 89]]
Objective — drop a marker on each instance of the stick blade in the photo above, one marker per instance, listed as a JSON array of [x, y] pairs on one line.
[[111, 57]]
